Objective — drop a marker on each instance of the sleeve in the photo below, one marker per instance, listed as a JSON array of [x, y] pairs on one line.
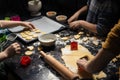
[[112, 42], [106, 20], [105, 23]]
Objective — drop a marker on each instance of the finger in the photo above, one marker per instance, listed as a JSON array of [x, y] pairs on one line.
[[27, 28], [78, 62], [71, 25], [81, 62], [32, 26], [15, 43], [69, 20], [27, 25]]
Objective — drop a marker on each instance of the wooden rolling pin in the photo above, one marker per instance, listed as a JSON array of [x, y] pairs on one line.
[[59, 67]]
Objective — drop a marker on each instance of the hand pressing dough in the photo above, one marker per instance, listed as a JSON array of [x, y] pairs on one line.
[[70, 57]]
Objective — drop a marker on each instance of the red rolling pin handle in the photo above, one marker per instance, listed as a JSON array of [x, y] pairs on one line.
[[59, 67]]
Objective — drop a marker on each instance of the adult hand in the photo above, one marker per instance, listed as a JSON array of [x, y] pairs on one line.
[[75, 24], [81, 63], [82, 69], [12, 50], [28, 25]]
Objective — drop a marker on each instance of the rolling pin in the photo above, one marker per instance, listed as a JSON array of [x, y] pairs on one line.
[[59, 67]]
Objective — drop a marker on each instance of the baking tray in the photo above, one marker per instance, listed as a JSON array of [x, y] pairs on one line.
[[45, 24]]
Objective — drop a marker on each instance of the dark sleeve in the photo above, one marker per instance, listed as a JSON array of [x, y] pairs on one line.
[[106, 20]]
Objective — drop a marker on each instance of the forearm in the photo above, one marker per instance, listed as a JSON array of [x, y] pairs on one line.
[[89, 26], [4, 24], [100, 61], [113, 40], [110, 49], [2, 56], [82, 10]]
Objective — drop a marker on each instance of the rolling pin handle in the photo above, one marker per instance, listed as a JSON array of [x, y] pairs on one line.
[[42, 53]]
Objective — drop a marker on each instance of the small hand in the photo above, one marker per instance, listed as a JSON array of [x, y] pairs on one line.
[[28, 25], [12, 50], [75, 24]]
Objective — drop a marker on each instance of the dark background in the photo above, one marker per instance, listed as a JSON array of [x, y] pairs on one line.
[[19, 7]]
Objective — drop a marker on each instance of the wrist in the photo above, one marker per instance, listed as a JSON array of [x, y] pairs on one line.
[[82, 23], [4, 55], [16, 23]]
